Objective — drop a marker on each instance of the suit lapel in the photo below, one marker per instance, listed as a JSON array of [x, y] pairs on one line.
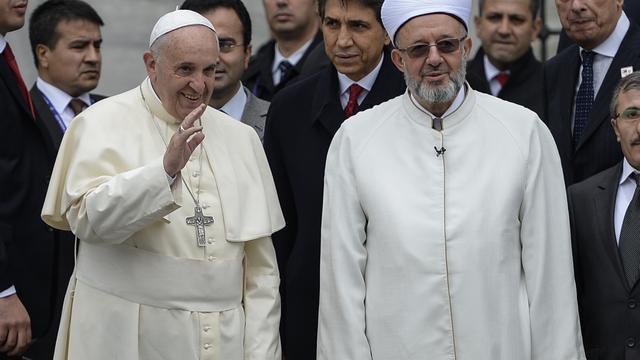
[[326, 107], [476, 75], [383, 88], [604, 206], [253, 114], [46, 117], [627, 55], [9, 79]]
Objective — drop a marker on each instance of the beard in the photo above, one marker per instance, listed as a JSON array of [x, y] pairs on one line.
[[438, 94]]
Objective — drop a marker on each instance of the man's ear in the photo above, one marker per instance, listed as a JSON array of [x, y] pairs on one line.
[[42, 54], [397, 59], [247, 55], [150, 64]]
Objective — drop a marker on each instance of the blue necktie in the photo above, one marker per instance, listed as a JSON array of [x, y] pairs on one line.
[[285, 69], [584, 99]]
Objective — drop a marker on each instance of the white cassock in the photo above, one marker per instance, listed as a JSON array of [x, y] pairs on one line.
[[462, 256], [143, 288]]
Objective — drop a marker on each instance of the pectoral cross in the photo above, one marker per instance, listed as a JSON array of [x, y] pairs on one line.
[[199, 220]]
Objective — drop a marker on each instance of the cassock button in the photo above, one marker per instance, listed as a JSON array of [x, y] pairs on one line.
[[210, 241], [632, 304], [206, 328], [211, 258], [207, 346], [631, 342], [195, 174]]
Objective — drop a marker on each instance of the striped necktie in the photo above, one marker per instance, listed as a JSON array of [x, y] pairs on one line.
[[584, 98]]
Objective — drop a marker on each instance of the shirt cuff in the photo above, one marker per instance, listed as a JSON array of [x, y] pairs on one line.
[[8, 292]]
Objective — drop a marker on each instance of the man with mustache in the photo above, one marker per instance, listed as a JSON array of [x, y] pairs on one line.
[[579, 82], [301, 122], [233, 24], [28, 247], [294, 28], [605, 227], [505, 65], [174, 206], [445, 231]]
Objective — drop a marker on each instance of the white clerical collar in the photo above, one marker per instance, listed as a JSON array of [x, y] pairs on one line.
[[366, 82], [610, 46], [58, 98], [235, 106], [627, 170], [3, 43], [490, 70], [454, 105], [293, 59]]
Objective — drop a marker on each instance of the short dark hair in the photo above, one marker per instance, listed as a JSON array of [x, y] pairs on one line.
[[534, 7], [629, 82], [376, 5], [46, 17], [204, 6]]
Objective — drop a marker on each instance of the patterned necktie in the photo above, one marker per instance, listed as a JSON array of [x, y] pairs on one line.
[[584, 98], [285, 70], [502, 78], [13, 65], [630, 236], [352, 104], [77, 106]]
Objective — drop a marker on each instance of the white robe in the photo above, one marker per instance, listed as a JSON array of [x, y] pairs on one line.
[[461, 256], [109, 187]]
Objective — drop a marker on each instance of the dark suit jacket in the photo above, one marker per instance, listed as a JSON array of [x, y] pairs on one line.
[[258, 77], [54, 130], [301, 122], [609, 309], [525, 85], [598, 148], [27, 244], [631, 8]]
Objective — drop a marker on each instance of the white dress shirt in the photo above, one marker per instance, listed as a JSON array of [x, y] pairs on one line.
[[235, 106], [491, 73], [604, 54], [366, 83], [293, 59], [626, 188], [3, 43], [60, 100]]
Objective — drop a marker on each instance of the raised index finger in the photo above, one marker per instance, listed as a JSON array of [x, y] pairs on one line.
[[193, 115]]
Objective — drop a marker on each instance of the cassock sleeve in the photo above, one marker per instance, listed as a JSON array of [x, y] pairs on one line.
[[261, 301], [343, 257], [546, 254]]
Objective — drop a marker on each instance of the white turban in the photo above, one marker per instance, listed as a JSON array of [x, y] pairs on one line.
[[176, 20], [396, 13]]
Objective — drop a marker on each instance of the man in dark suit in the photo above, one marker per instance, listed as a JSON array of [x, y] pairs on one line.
[[233, 26], [294, 27], [579, 82], [65, 42], [605, 228], [505, 66], [630, 7], [27, 245], [301, 123]]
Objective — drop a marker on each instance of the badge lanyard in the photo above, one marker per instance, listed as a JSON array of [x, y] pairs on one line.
[[55, 113]]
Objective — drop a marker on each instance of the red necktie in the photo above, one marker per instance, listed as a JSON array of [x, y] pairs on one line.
[[502, 78], [13, 65], [352, 104]]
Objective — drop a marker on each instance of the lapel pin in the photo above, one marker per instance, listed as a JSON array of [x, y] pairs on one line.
[[626, 71]]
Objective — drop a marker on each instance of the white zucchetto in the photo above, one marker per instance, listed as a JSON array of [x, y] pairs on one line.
[[396, 13], [176, 20]]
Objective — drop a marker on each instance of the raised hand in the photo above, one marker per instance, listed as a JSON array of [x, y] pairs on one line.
[[183, 142]]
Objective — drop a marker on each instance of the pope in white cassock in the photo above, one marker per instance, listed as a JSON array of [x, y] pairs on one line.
[[445, 231], [174, 206]]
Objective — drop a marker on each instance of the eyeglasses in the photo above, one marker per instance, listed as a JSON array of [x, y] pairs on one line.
[[227, 46], [629, 115], [444, 46]]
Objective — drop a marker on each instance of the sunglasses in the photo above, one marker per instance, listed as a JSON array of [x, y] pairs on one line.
[[444, 46], [631, 115]]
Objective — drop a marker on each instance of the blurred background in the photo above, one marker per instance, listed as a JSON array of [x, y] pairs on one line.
[[128, 24]]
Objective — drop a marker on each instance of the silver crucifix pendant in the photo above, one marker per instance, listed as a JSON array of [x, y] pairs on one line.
[[199, 220]]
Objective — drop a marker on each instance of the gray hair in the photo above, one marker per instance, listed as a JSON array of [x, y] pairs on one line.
[[534, 7], [629, 82]]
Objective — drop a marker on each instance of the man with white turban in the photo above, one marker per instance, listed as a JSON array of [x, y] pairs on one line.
[[174, 206], [445, 231]]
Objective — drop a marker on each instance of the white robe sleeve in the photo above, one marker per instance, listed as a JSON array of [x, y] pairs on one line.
[[546, 255], [124, 204], [343, 257], [261, 301]]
